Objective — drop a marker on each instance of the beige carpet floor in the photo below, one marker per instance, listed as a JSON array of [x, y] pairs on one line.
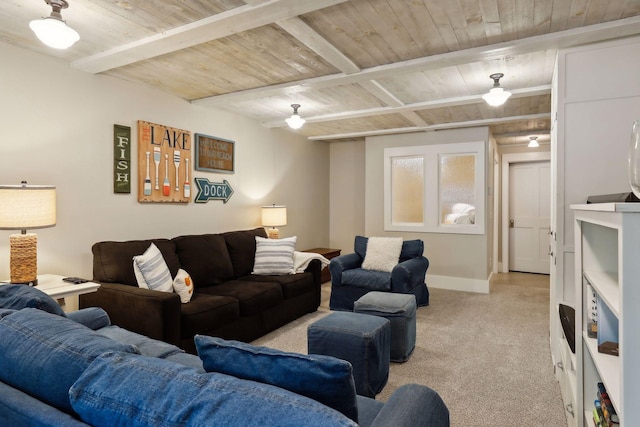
[[487, 355]]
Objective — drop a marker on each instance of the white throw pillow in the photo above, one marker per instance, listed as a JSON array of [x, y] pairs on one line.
[[151, 270], [274, 256], [383, 253], [183, 286]]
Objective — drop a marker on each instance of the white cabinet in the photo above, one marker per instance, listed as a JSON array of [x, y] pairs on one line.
[[607, 253], [591, 129]]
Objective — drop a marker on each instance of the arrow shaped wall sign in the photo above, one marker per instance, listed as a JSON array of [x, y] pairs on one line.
[[208, 190]]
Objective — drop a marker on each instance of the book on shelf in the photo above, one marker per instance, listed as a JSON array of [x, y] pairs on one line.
[[592, 311], [598, 415], [608, 347], [610, 416]]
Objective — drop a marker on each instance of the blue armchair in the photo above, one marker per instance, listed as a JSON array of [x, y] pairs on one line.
[[349, 281]]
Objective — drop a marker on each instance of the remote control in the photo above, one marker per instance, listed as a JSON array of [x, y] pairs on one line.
[[74, 280]]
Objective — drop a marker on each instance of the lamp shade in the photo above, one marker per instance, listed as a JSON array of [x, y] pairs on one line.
[[274, 216], [496, 96], [54, 32], [27, 206]]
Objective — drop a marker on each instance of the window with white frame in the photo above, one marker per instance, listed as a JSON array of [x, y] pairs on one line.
[[435, 188]]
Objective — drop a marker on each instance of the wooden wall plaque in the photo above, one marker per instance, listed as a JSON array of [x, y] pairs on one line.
[[164, 164], [121, 159], [214, 154]]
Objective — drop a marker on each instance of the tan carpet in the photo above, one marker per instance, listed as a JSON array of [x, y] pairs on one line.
[[486, 354]]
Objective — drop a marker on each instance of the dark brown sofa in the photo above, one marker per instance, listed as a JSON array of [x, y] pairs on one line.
[[228, 301]]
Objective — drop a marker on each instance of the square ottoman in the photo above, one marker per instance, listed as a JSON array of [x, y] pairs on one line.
[[400, 309], [360, 339]]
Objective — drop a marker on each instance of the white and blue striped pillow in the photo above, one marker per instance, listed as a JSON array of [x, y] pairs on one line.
[[151, 270], [274, 256]]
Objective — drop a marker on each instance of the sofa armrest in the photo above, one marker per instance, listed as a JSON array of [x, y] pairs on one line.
[[341, 263], [17, 408], [315, 268], [151, 313], [407, 274], [413, 405], [91, 317]]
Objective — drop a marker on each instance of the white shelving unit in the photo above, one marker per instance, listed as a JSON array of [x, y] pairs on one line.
[[607, 256], [590, 134]]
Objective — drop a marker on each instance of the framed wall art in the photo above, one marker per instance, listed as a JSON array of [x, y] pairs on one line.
[[164, 164], [214, 154], [121, 159]]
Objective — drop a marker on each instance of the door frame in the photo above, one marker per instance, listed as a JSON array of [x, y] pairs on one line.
[[507, 159]]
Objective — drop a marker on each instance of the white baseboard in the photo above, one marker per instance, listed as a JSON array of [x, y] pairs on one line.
[[458, 284]]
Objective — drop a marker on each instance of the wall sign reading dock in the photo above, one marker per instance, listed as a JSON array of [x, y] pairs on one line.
[[214, 154], [208, 190]]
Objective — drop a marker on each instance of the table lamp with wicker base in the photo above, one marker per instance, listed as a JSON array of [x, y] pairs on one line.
[[25, 207], [274, 216], [23, 259]]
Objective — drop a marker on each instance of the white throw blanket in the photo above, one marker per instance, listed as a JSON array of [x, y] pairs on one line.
[[301, 260]]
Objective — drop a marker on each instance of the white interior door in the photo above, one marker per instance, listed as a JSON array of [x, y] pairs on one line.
[[529, 217]]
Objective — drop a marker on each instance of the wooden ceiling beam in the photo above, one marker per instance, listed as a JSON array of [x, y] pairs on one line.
[[221, 25], [442, 126], [561, 39], [314, 41], [411, 108]]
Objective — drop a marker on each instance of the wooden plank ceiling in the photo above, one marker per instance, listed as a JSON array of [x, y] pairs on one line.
[[357, 67]]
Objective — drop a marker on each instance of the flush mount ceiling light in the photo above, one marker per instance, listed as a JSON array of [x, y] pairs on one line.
[[53, 30], [497, 95], [295, 121], [533, 142]]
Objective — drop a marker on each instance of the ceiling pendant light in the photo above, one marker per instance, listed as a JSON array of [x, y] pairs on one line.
[[533, 142], [295, 121], [53, 30], [497, 95]]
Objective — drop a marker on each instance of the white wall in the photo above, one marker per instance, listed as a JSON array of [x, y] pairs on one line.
[[57, 128], [457, 261], [347, 177]]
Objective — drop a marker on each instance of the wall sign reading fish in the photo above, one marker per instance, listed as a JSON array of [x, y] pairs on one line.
[[121, 159], [164, 156], [208, 190]]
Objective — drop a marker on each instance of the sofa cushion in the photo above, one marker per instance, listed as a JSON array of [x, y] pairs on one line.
[[17, 297], [183, 286], [43, 354], [205, 257], [370, 279], [206, 312], [326, 379], [410, 248], [293, 285], [103, 396], [383, 253], [242, 249], [253, 297], [151, 270], [112, 261], [274, 256]]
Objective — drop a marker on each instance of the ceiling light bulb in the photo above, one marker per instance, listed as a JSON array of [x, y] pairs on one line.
[[295, 121], [52, 30], [497, 95], [533, 142]]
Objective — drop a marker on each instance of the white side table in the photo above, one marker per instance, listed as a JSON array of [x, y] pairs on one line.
[[55, 287]]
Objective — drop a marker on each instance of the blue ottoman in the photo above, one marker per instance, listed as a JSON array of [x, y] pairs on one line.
[[400, 309], [359, 339]]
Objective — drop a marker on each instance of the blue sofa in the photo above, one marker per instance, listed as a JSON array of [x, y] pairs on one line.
[[77, 369], [349, 281]]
